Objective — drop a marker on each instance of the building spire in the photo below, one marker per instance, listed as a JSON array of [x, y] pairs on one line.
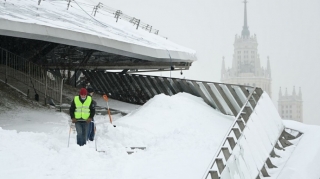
[[286, 93], [245, 30], [268, 67], [300, 94], [223, 69]]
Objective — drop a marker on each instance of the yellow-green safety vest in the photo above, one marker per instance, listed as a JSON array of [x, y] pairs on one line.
[[82, 110]]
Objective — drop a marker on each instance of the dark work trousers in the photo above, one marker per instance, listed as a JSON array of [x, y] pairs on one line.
[[82, 130], [91, 131]]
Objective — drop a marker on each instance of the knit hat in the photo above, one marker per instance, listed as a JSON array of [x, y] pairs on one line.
[[83, 91]]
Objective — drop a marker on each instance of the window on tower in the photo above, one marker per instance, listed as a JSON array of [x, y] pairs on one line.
[[247, 66]]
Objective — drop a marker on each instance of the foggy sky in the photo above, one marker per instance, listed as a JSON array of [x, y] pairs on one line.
[[288, 31]]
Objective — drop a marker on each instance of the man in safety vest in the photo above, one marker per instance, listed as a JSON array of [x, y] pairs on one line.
[[82, 110]]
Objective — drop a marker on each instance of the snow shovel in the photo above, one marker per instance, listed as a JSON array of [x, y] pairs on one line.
[[95, 140], [105, 97], [69, 135]]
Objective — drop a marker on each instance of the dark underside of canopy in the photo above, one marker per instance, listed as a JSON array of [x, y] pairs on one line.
[[60, 56]]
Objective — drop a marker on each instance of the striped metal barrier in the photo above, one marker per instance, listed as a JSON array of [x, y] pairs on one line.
[[138, 89]]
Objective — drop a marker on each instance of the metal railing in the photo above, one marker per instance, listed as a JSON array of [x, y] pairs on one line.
[[238, 125], [30, 78], [249, 144], [118, 14]]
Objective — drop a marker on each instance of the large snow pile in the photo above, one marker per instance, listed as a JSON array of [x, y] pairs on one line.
[[181, 134]]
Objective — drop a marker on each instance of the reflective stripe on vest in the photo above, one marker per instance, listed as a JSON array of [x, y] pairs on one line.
[[82, 110]]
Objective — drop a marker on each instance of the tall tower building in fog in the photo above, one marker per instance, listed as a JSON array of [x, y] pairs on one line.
[[290, 106], [246, 68]]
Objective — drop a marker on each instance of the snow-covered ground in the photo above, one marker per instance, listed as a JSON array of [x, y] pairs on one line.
[[181, 134]]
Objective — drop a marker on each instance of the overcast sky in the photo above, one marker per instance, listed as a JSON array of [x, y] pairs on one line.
[[288, 31]]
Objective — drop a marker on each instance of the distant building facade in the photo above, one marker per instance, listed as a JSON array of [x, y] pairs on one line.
[[246, 68], [291, 106]]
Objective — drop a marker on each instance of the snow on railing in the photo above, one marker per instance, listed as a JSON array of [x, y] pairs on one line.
[[217, 163]]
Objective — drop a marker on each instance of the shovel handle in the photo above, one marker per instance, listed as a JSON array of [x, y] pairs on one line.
[[69, 135], [105, 97], [110, 116]]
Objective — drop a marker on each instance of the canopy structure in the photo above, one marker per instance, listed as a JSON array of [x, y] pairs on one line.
[[72, 34]]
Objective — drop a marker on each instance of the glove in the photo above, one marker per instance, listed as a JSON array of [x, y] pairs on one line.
[[74, 120], [89, 120]]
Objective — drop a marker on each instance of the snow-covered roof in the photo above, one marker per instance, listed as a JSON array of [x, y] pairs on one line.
[[52, 21]]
